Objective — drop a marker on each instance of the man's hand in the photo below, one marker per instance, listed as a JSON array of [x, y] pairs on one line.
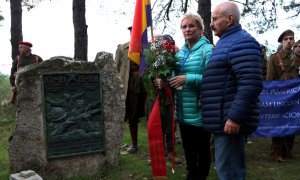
[[231, 127], [159, 83]]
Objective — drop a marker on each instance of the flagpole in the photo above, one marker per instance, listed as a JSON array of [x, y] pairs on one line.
[[152, 36]]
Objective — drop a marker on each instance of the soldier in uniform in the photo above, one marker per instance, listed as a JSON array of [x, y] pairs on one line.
[[294, 70], [264, 60], [278, 69], [24, 58], [133, 90]]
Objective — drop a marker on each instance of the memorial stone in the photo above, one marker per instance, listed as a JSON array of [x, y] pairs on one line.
[[69, 118]]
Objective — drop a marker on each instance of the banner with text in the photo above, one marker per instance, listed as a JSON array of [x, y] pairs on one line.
[[279, 109]]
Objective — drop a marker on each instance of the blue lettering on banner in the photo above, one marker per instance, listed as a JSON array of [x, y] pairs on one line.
[[279, 109]]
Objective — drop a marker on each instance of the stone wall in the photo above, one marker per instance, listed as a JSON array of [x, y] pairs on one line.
[[27, 149]]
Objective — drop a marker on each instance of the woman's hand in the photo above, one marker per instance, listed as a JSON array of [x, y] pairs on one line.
[[177, 81]]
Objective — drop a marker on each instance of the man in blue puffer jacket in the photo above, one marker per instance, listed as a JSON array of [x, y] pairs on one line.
[[230, 90]]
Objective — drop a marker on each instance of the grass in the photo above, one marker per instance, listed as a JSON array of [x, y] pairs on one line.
[[135, 167], [7, 116]]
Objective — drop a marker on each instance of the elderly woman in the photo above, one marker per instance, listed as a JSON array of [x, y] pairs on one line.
[[191, 62]]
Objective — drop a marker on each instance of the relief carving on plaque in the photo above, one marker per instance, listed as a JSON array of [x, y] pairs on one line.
[[72, 113]]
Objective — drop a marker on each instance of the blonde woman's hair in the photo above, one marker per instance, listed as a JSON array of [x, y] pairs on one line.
[[196, 17]]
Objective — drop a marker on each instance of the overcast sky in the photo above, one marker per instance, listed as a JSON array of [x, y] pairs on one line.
[[49, 27]]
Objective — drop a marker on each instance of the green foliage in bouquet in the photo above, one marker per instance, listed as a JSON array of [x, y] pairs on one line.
[[160, 60]]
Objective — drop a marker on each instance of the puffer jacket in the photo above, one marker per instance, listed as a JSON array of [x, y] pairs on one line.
[[232, 82], [191, 62]]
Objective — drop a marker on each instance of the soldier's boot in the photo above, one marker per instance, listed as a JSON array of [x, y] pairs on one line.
[[276, 156], [133, 128], [276, 148], [289, 143]]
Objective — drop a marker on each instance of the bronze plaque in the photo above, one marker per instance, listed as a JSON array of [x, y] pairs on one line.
[[73, 114]]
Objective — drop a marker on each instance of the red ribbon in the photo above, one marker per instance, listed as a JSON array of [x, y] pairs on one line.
[[155, 138]]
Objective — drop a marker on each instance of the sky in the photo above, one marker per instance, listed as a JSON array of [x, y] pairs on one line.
[[49, 27]]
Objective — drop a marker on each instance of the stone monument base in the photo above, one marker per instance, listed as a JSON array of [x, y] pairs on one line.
[[28, 146]]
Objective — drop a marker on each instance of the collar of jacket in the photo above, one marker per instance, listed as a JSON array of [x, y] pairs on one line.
[[202, 40], [284, 54], [231, 30]]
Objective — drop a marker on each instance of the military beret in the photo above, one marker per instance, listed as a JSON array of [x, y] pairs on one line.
[[286, 33], [28, 44]]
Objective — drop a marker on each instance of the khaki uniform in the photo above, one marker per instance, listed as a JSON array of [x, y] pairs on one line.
[[133, 90], [133, 87], [123, 64], [293, 71], [275, 71], [282, 146]]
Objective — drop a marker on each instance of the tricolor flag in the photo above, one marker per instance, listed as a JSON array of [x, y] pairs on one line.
[[141, 20]]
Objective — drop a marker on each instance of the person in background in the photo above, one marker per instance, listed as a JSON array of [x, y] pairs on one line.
[[264, 60], [230, 89], [191, 61], [279, 64], [279, 47], [133, 90], [294, 70], [264, 72], [24, 58]]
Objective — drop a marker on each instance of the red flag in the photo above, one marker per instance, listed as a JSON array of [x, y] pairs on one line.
[[156, 139]]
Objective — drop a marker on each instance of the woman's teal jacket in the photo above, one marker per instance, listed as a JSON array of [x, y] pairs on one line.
[[191, 62]]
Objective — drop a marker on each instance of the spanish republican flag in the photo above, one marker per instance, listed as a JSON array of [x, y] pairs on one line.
[[141, 20]]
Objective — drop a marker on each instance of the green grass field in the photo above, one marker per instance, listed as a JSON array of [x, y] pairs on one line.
[[135, 167]]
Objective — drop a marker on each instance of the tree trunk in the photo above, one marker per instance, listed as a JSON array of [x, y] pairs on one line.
[[16, 26], [80, 30], [204, 10]]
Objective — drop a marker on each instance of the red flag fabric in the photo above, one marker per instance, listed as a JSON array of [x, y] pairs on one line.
[[155, 138]]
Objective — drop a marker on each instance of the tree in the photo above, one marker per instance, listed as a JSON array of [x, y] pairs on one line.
[[80, 30], [258, 15], [176, 8], [16, 22], [30, 4], [204, 7], [267, 13], [163, 10], [1, 17], [80, 27], [16, 26], [5, 92]]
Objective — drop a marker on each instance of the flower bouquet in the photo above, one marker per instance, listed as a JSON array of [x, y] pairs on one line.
[[160, 61]]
